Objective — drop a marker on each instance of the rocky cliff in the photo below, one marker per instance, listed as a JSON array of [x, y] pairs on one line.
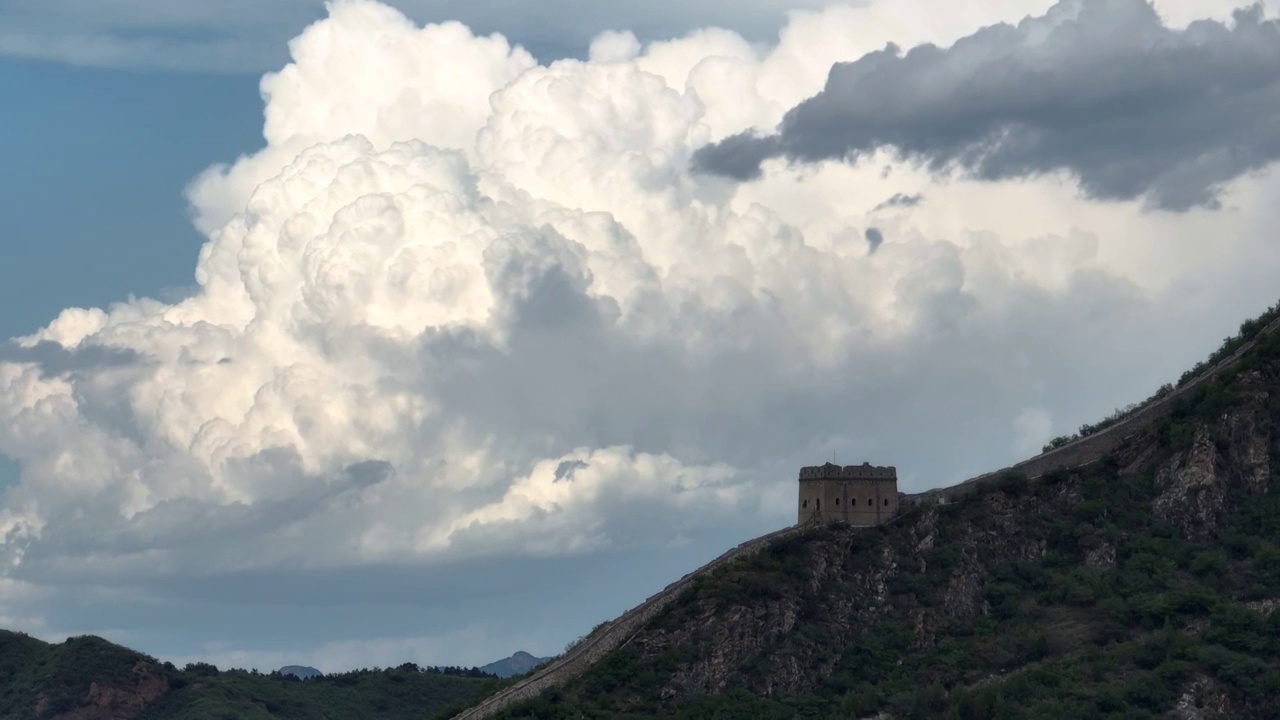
[[1139, 585]]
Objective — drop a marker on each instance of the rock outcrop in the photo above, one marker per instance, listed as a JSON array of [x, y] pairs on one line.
[[115, 702], [1191, 488]]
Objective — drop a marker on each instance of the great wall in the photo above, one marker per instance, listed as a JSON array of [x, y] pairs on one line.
[[612, 636], [1092, 447], [615, 634]]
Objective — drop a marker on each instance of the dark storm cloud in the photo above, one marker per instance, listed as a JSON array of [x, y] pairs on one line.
[[875, 238], [565, 470], [899, 200], [56, 359], [1098, 88]]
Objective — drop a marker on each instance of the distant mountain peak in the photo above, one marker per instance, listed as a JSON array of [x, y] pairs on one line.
[[300, 671], [519, 663]]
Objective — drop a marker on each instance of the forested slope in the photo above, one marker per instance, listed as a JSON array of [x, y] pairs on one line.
[[88, 678]]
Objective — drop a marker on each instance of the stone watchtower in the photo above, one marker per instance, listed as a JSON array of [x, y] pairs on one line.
[[856, 494]]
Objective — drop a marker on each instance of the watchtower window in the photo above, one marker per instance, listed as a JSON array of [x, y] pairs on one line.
[[837, 501], [869, 501], [818, 503], [886, 502], [804, 504]]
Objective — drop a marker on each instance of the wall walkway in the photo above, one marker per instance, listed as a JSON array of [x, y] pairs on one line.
[[1092, 448], [617, 633]]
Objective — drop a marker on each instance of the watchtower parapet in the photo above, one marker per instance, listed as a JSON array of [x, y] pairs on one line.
[[863, 494]]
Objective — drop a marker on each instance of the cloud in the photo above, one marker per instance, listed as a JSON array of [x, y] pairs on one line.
[[900, 200], [482, 332], [1101, 89], [875, 238], [1031, 430], [53, 359]]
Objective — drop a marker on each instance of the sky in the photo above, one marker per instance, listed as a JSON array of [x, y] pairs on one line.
[[359, 333]]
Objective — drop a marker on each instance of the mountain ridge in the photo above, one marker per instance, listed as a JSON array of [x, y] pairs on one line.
[[1142, 584], [89, 678], [302, 672], [1079, 452]]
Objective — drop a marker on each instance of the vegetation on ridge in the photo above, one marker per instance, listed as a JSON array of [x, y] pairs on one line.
[[1248, 330], [98, 679]]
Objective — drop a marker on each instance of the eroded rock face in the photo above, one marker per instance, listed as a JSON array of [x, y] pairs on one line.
[[1202, 700], [1135, 457], [1235, 451], [729, 637], [1102, 557], [1247, 429], [717, 638], [963, 598], [1264, 607], [122, 703], [1190, 489]]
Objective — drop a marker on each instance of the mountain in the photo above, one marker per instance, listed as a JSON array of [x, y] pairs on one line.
[[301, 672], [88, 678], [518, 664], [1141, 584], [84, 674]]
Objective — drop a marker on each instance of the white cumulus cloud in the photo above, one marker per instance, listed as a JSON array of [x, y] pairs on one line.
[[464, 305]]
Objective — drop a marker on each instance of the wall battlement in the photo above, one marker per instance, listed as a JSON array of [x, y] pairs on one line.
[[861, 495], [831, 471]]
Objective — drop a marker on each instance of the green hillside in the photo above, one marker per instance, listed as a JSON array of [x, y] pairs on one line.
[[88, 678]]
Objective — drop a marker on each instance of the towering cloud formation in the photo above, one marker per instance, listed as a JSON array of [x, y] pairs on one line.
[[463, 304], [1099, 88]]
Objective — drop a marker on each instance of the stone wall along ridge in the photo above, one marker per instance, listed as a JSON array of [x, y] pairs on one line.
[[617, 633], [614, 635], [1093, 447]]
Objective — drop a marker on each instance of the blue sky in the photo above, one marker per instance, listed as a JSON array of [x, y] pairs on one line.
[[97, 160], [489, 348]]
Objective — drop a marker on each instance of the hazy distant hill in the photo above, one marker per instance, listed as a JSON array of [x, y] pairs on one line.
[[300, 671], [1143, 585], [88, 678], [518, 664]]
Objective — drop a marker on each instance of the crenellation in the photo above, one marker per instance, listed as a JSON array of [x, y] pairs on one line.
[[860, 495]]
